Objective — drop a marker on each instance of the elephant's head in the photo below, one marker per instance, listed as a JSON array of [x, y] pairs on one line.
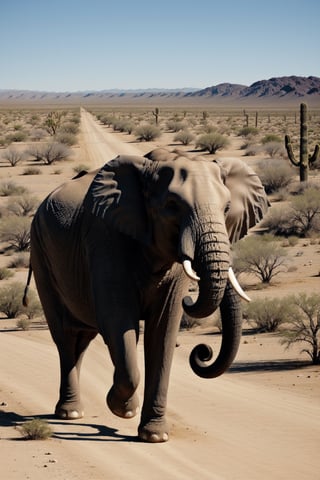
[[184, 209]]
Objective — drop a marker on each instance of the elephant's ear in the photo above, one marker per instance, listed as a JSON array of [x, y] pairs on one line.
[[116, 196], [249, 201]]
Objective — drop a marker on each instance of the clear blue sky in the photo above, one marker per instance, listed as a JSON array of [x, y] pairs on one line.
[[70, 45]]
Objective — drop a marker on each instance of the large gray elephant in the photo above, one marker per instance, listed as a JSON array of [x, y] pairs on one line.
[[118, 245]]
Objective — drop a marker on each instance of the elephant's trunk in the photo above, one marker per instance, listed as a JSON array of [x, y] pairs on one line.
[[208, 250], [210, 256], [231, 319]]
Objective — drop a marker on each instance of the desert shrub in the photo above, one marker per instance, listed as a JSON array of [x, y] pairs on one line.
[[251, 149], [248, 132], [212, 142], [279, 222], [66, 138], [262, 257], [184, 136], [21, 260], [305, 210], [49, 153], [18, 136], [35, 429], [31, 171], [16, 231], [175, 125], [303, 326], [123, 125], [3, 142], [267, 314], [13, 156], [271, 137], [8, 188], [35, 151], [274, 149], [34, 308], [69, 127], [23, 206], [275, 175], [82, 167], [106, 119], [37, 134], [11, 299], [5, 273], [147, 132], [23, 323]]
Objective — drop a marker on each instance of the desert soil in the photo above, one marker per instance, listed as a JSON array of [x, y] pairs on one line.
[[259, 421]]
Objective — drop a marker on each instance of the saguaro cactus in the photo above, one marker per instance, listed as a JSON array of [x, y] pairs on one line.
[[156, 114], [305, 159]]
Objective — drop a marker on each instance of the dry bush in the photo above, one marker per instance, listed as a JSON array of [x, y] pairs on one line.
[[147, 133], [49, 153], [260, 256], [35, 429], [9, 188], [275, 175], [184, 136], [212, 142], [13, 156], [23, 206], [16, 232], [303, 325], [267, 314]]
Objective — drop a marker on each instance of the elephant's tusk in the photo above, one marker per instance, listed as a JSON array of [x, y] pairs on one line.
[[189, 271], [234, 282]]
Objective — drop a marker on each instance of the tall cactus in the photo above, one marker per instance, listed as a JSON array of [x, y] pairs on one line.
[[156, 114], [305, 159]]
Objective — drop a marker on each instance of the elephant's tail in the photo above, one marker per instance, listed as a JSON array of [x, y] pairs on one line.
[[25, 300]]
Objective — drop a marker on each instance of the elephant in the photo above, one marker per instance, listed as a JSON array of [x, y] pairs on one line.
[[118, 245]]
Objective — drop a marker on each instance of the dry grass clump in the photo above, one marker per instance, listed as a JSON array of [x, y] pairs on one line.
[[35, 429]]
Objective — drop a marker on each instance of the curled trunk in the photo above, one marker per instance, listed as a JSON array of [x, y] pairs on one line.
[[231, 318], [208, 249]]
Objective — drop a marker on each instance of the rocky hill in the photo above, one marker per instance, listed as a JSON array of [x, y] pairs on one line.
[[276, 91]]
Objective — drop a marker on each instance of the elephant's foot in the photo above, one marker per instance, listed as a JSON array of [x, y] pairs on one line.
[[122, 408], [69, 411], [155, 431]]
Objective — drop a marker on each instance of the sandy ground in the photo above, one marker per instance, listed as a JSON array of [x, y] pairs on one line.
[[259, 421]]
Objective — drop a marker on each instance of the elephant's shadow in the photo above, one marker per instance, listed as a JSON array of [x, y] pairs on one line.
[[96, 432]]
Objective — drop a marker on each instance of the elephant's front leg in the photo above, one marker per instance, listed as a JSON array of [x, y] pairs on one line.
[[122, 398], [161, 330]]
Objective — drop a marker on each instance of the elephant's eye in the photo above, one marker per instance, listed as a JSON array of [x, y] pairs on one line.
[[227, 208]]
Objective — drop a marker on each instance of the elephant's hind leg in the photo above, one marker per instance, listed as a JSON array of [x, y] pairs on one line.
[[71, 351]]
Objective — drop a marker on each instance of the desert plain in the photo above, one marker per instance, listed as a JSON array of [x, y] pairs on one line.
[[259, 421]]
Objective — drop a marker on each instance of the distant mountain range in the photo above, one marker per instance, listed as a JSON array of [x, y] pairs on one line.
[[283, 90]]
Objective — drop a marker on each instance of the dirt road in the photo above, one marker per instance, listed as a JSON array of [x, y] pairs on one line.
[[236, 427]]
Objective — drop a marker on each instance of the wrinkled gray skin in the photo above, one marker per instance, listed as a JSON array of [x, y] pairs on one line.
[[107, 250]]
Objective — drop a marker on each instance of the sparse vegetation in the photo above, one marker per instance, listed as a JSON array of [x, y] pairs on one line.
[[184, 136], [16, 232], [13, 156], [212, 142], [35, 429], [267, 314], [263, 257], [147, 133], [303, 326], [9, 188], [275, 175]]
